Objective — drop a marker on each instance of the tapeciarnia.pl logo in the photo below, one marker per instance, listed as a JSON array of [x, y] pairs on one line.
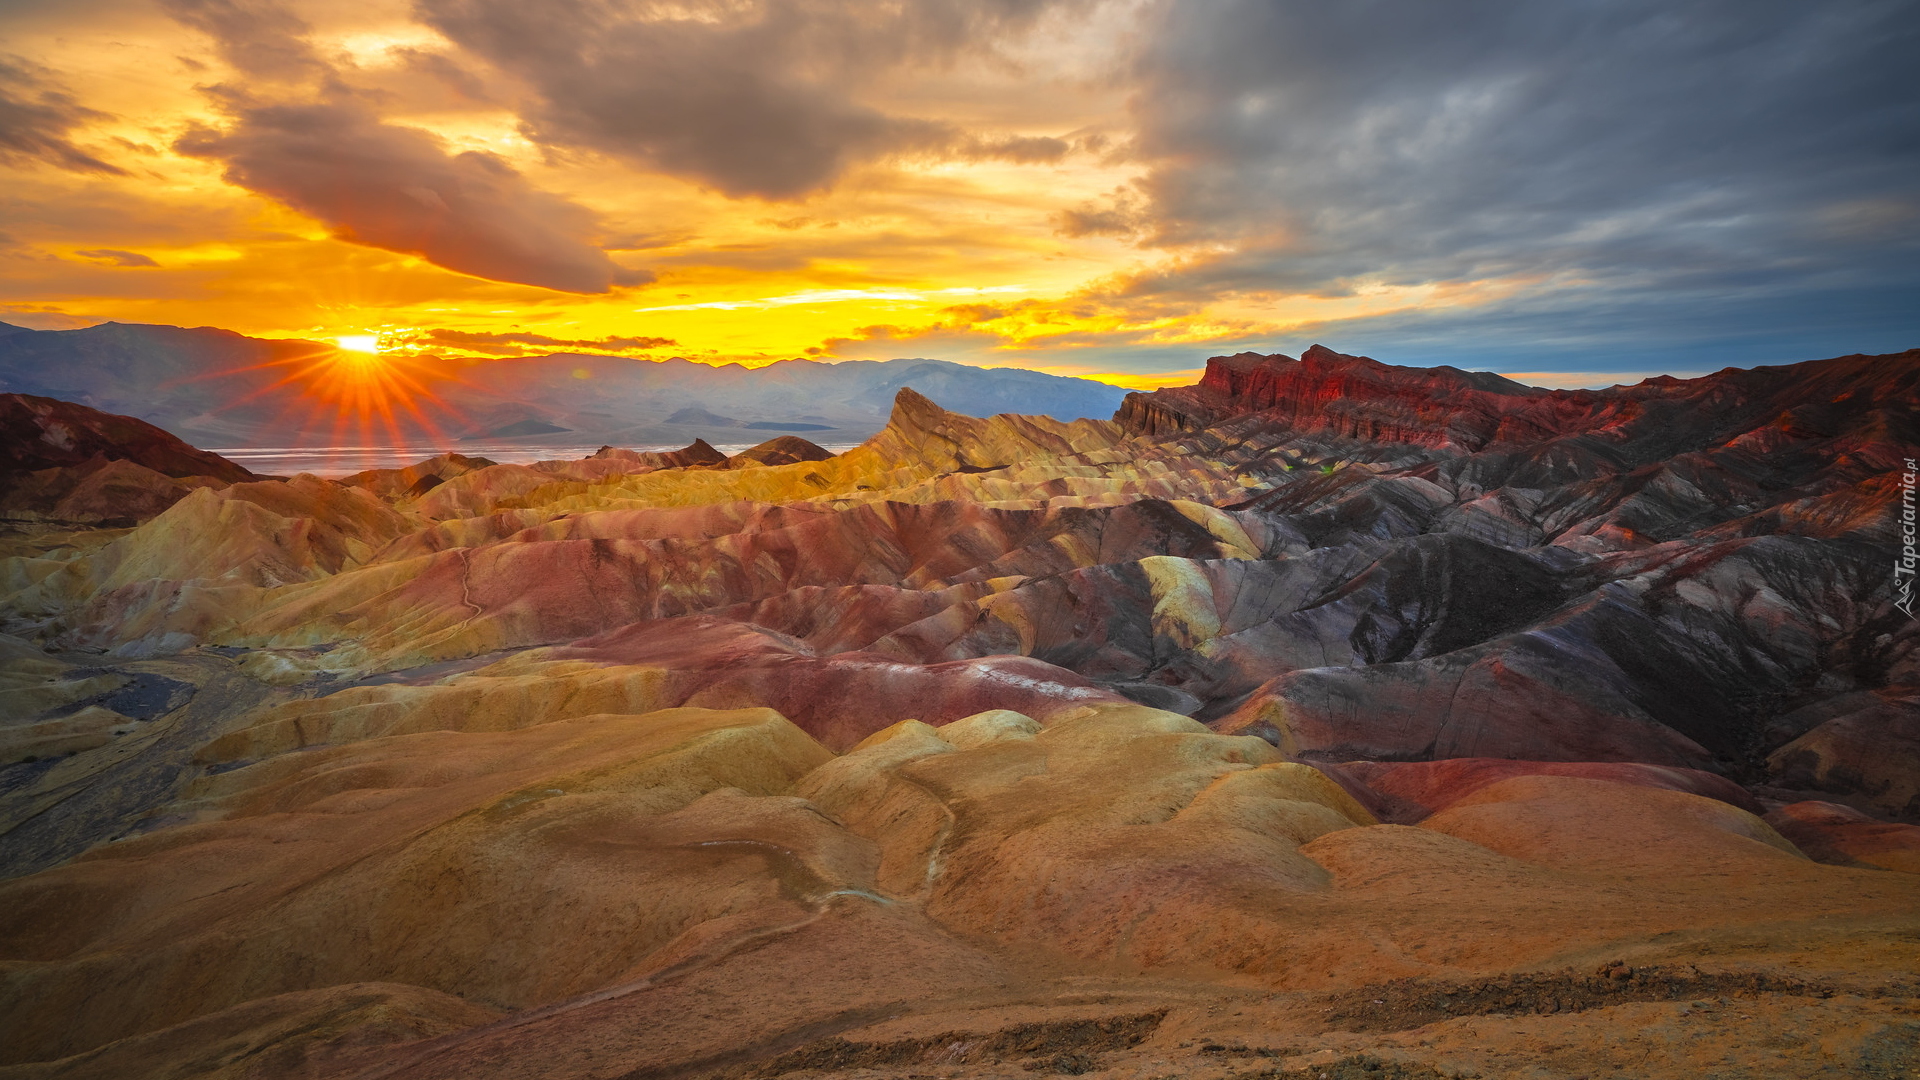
[[1903, 567]]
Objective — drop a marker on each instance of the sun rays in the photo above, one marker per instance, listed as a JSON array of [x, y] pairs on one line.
[[357, 390]]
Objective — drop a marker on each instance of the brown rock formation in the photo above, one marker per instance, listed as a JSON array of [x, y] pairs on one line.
[[416, 480], [785, 450], [66, 462], [45, 433], [695, 453], [1870, 745]]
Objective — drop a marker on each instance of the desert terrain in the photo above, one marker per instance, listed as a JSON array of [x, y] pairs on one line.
[[1325, 718]]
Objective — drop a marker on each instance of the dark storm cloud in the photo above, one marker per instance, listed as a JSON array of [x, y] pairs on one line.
[[480, 341], [37, 117], [1713, 148], [751, 99], [400, 189], [315, 145]]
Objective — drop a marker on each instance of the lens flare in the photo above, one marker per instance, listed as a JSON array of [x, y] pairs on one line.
[[365, 389]]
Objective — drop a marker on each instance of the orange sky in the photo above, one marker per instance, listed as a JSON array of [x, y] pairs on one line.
[[1076, 186], [903, 254]]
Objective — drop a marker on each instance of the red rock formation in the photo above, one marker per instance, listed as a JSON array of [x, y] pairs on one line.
[[1408, 792], [1357, 398], [1865, 743], [839, 698], [1841, 835], [44, 433], [99, 489], [67, 462]]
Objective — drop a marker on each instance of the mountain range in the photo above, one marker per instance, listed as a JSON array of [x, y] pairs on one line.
[[217, 388]]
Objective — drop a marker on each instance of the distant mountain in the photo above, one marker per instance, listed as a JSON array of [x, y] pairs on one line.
[[522, 428], [218, 388], [693, 414]]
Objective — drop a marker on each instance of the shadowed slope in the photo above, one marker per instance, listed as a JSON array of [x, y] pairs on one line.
[[67, 462]]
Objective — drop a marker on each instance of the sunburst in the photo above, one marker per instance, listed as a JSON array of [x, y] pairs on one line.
[[367, 389]]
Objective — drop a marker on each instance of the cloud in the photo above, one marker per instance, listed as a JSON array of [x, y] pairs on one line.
[[36, 118], [750, 99], [44, 317], [456, 80], [815, 297], [400, 189], [262, 40], [1716, 149], [514, 343], [1121, 216], [116, 257], [1021, 150], [316, 146]]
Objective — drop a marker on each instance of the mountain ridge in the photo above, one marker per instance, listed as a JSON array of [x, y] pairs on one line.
[[217, 387], [1364, 399]]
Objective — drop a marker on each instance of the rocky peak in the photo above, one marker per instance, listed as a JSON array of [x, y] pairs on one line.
[[920, 431], [783, 450], [698, 452], [418, 478]]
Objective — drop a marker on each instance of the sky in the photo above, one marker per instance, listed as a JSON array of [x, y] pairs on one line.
[[1573, 193]]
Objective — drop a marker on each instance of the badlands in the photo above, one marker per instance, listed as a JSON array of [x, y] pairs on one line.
[[1324, 719]]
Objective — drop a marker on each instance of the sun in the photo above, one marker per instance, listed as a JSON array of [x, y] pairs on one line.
[[366, 390]]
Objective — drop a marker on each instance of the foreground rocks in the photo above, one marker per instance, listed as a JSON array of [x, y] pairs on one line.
[[594, 875]]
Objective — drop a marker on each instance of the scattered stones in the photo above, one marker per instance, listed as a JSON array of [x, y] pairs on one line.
[[1067, 1047], [1413, 1002], [1356, 1067]]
